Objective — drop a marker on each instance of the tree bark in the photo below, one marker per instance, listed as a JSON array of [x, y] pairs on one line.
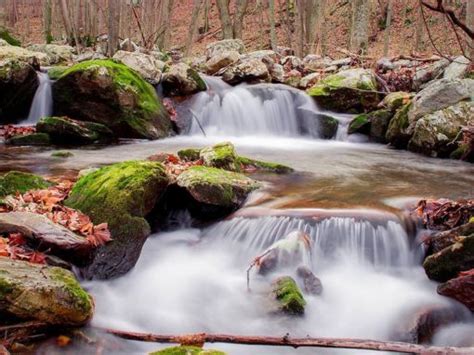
[[470, 24], [271, 16], [47, 14], [387, 28], [239, 18], [419, 30], [193, 26], [113, 27], [360, 26], [226, 23], [66, 20]]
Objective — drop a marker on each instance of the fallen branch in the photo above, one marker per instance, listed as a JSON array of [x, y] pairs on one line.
[[21, 332], [340, 343]]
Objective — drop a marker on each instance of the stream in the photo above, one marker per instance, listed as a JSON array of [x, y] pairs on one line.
[[194, 279]]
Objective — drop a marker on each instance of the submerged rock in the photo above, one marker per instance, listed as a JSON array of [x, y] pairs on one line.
[[109, 93], [18, 84], [348, 90], [288, 297], [18, 182], [312, 284], [42, 293], [460, 288], [64, 130], [187, 350], [181, 80], [144, 64], [34, 139], [121, 195]]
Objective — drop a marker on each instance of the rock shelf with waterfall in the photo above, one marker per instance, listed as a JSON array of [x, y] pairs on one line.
[[253, 194]]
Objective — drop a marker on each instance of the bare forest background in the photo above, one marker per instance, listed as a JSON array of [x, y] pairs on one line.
[[328, 27]]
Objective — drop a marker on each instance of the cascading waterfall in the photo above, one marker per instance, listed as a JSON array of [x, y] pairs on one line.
[[42, 105]]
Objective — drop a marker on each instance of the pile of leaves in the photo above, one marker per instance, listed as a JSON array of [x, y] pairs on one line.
[[49, 202], [8, 131], [445, 214], [173, 164], [14, 246], [398, 79]]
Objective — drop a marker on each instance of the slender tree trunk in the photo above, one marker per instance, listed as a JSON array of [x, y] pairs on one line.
[[164, 24], [300, 16], [360, 26], [273, 38], [239, 18], [419, 30], [312, 14], [47, 12], [470, 24], [193, 26], [113, 26], [226, 23], [206, 15], [323, 28], [66, 20], [387, 28]]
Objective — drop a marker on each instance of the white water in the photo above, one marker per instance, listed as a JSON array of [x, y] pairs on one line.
[[42, 105], [194, 280]]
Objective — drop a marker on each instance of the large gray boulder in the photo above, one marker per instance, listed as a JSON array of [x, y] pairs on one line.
[[429, 72], [218, 47], [182, 80], [457, 69], [221, 60], [145, 65], [57, 54], [249, 70]]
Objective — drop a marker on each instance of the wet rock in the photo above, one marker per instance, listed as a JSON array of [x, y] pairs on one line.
[[250, 70], [348, 90], [360, 124], [435, 134], [460, 288], [63, 130], [309, 80], [379, 122], [288, 297], [221, 155], [189, 154], [57, 54], [395, 100], [109, 93], [121, 195], [444, 239], [448, 262], [34, 139], [187, 350], [40, 231], [144, 64], [429, 72], [42, 293], [457, 69], [327, 126], [16, 181], [398, 134], [221, 61], [312, 284], [216, 187], [181, 80], [18, 84], [218, 47], [263, 166]]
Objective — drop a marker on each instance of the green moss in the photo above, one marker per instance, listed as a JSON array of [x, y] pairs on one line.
[[55, 73], [396, 132], [6, 36], [62, 154], [360, 124], [265, 166], [30, 139], [194, 75], [187, 350], [6, 288], [289, 296], [16, 181], [190, 154], [221, 155]]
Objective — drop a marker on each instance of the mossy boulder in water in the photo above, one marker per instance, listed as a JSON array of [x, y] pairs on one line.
[[180, 80], [63, 130], [17, 181], [110, 93], [374, 124], [18, 84], [360, 124], [451, 260], [35, 139], [42, 293], [397, 132], [121, 195], [348, 90], [288, 296], [187, 350]]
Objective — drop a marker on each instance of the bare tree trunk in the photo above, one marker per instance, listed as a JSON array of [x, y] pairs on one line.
[[419, 30], [164, 24], [239, 18], [273, 38], [300, 28], [387, 28], [470, 24], [207, 5], [47, 14], [66, 20], [323, 28], [193, 26], [226, 23], [113, 26], [360, 26], [312, 13]]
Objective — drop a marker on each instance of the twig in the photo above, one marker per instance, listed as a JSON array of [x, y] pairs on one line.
[[199, 123], [139, 26]]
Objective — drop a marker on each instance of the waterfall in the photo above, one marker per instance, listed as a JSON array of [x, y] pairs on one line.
[[42, 105]]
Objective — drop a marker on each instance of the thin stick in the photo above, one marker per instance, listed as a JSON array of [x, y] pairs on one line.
[[199, 123]]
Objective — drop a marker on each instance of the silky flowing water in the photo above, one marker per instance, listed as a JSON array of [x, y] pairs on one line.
[[194, 279], [42, 105]]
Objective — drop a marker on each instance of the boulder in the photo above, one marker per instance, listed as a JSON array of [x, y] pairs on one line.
[[249, 70], [54, 73], [287, 297], [309, 80], [277, 73], [88, 54], [218, 47], [292, 78], [57, 54], [429, 72], [35, 59], [223, 191], [63, 130], [291, 62], [144, 64], [448, 262], [435, 134], [18, 84], [128, 45], [182, 80], [34, 139], [460, 288], [40, 231], [266, 55], [16, 181], [187, 350], [327, 126], [42, 293], [457, 69], [398, 134], [395, 100], [221, 60], [110, 93], [348, 90], [379, 122], [189, 154], [121, 195], [312, 285], [444, 239], [314, 63], [359, 124], [221, 156]]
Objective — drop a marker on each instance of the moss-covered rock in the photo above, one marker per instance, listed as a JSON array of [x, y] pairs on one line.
[[55, 73], [7, 36], [35, 59], [360, 124], [221, 155], [18, 84], [327, 126], [189, 154], [348, 90], [17, 181], [216, 187], [397, 131], [110, 93], [42, 293], [288, 296], [63, 130], [263, 166], [379, 122], [30, 139], [394, 100], [448, 262], [122, 195], [181, 80], [56, 53], [187, 350]]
